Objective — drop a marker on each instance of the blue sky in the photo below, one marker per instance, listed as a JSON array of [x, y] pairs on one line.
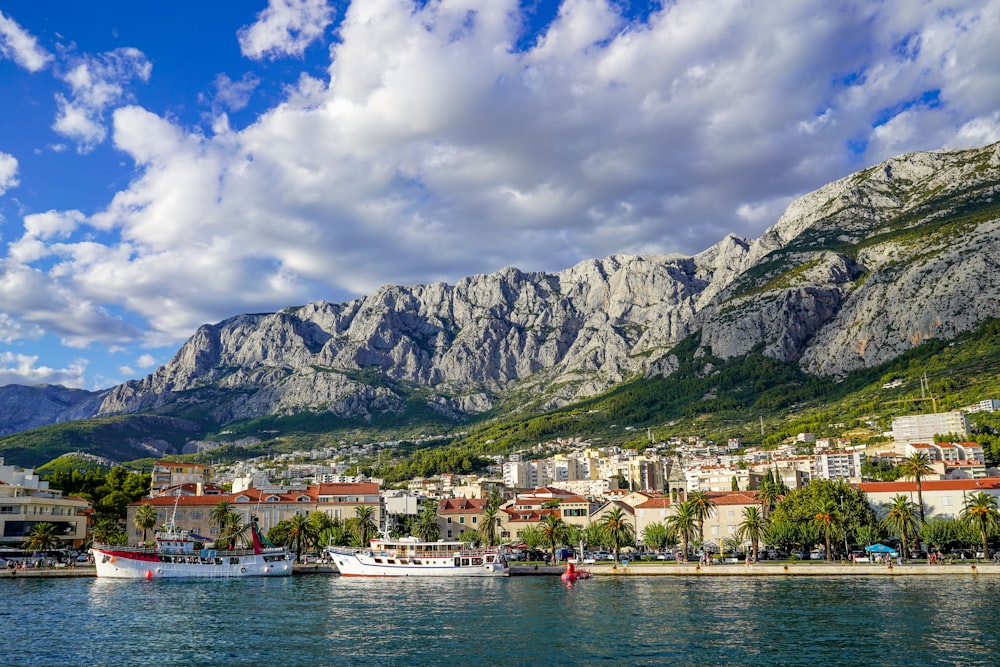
[[165, 165]]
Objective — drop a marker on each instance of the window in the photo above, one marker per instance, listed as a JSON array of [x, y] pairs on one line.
[[946, 501], [461, 519], [475, 519], [731, 513], [449, 521]]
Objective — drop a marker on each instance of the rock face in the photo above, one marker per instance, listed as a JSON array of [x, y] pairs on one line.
[[852, 275], [23, 408]]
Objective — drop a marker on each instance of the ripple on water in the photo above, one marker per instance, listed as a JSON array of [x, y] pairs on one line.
[[518, 621]]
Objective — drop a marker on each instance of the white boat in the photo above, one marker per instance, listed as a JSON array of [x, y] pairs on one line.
[[174, 556], [411, 557]]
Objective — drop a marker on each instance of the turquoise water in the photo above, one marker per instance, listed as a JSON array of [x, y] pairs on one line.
[[316, 620]]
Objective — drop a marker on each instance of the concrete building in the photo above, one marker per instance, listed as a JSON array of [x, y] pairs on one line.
[[26, 500], [175, 473], [923, 428], [839, 464]]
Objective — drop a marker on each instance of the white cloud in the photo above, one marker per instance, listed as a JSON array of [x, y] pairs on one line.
[[146, 361], [234, 95], [97, 83], [286, 27], [23, 369], [445, 151], [8, 172], [20, 46]]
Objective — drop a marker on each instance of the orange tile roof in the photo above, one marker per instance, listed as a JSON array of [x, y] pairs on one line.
[[989, 483], [459, 505]]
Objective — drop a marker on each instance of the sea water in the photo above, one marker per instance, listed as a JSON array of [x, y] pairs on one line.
[[319, 620]]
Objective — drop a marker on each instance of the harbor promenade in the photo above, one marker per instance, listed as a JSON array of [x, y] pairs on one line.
[[800, 569]]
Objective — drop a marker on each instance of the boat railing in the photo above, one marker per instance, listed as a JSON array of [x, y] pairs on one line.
[[137, 548]]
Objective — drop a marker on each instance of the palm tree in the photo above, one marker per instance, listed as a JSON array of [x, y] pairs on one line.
[[145, 518], [683, 522], [753, 528], [828, 517], [426, 527], [917, 465], [105, 532], [619, 529], [981, 511], [322, 524], [231, 528], [704, 508], [364, 517], [42, 537], [901, 519], [768, 497], [489, 525], [219, 515], [300, 534], [552, 527]]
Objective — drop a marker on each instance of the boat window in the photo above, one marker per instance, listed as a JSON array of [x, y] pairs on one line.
[[378, 561]]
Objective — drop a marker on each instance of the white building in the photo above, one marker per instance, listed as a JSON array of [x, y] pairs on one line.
[[923, 428], [839, 464]]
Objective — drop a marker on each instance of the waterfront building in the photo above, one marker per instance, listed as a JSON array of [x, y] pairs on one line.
[[649, 511], [728, 515], [942, 498], [457, 515], [530, 509], [338, 501], [26, 500]]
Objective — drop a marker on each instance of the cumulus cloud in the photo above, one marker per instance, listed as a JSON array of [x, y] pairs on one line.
[[97, 83], [8, 172], [448, 150], [20, 46], [285, 28], [24, 369]]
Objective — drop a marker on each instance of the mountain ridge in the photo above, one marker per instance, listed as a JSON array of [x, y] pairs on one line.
[[851, 275]]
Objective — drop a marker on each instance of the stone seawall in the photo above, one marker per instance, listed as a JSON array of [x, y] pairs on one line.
[[795, 570]]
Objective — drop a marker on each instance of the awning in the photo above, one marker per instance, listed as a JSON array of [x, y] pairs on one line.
[[880, 549]]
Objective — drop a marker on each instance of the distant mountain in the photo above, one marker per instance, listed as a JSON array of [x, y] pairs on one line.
[[852, 275], [23, 408]]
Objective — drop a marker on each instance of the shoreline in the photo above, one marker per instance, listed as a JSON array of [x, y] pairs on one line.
[[639, 570], [795, 570]]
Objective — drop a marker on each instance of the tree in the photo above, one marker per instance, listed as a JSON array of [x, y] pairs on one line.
[[105, 531], [939, 532], [220, 514], [683, 522], [917, 465], [364, 523], [981, 511], [868, 534], [753, 528], [427, 527], [552, 527], [828, 518], [901, 519], [782, 534], [767, 496], [42, 537], [532, 537], [301, 534], [490, 524], [231, 530], [704, 508], [658, 536], [619, 529], [145, 518]]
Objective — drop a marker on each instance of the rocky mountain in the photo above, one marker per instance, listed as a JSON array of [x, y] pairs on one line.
[[23, 408], [852, 275]]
